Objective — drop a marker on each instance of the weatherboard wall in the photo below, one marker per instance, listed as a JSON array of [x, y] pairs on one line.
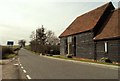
[[113, 47], [85, 45]]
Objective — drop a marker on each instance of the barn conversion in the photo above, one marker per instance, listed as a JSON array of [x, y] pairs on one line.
[[93, 35]]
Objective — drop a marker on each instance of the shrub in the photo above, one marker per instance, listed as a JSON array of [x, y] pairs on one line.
[[6, 51], [52, 49], [69, 55], [105, 59]]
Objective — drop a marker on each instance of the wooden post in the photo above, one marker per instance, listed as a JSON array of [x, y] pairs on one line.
[[95, 54], [68, 48]]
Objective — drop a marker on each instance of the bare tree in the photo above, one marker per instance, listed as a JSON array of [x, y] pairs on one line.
[[43, 41], [51, 38], [41, 35], [38, 40], [33, 35]]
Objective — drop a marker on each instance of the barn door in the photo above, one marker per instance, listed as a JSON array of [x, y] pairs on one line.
[[74, 46]]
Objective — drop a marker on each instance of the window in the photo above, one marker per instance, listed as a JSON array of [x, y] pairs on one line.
[[106, 47], [69, 39]]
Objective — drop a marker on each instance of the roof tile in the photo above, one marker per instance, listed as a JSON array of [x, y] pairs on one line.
[[112, 28], [85, 22]]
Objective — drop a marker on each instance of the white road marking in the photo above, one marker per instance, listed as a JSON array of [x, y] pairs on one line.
[[20, 65], [13, 59], [16, 64], [28, 77], [24, 71]]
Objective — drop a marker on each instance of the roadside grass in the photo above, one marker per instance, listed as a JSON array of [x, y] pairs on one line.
[[8, 52], [15, 46], [1, 63], [78, 59], [36, 53], [8, 56], [83, 60], [27, 47]]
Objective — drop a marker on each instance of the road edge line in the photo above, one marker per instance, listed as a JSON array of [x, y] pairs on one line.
[[28, 77]]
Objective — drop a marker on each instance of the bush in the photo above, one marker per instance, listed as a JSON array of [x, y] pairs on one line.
[[104, 59], [6, 51], [69, 55], [7, 56], [52, 49]]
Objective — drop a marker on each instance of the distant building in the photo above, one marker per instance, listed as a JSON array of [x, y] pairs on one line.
[[93, 35]]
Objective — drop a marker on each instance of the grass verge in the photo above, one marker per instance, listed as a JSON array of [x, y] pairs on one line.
[[78, 59], [8, 56], [84, 60]]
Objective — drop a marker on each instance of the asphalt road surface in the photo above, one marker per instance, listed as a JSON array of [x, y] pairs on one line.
[[39, 67], [0, 72]]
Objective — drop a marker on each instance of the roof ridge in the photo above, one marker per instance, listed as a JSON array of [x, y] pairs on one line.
[[106, 4], [85, 22], [111, 29], [117, 9]]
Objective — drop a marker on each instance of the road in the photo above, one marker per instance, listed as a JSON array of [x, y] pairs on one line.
[[0, 72], [10, 70], [39, 67]]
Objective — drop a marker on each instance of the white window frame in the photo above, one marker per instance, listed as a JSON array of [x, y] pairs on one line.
[[106, 47], [69, 39]]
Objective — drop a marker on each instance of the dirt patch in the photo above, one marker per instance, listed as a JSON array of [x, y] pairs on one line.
[[9, 70]]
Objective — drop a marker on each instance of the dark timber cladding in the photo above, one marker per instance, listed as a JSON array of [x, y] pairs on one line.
[[111, 35], [93, 35]]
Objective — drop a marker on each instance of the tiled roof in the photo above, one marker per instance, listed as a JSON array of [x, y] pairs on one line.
[[111, 29], [85, 22]]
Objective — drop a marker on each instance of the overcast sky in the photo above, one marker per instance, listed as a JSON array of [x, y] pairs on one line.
[[18, 18]]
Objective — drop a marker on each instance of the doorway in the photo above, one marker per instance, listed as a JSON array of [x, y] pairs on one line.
[[74, 46]]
